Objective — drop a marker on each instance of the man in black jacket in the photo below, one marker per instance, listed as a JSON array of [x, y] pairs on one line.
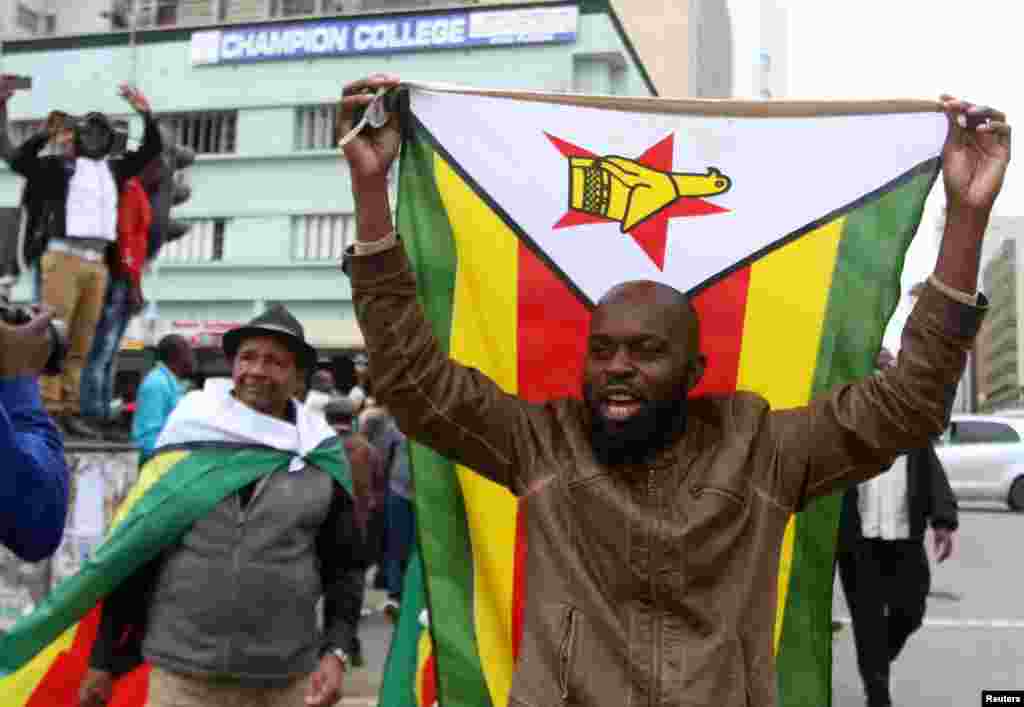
[[882, 560], [72, 201]]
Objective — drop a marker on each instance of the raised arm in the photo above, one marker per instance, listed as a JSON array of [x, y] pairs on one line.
[[152, 142], [857, 430], [6, 148], [456, 410], [24, 159]]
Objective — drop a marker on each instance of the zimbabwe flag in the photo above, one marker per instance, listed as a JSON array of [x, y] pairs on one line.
[[787, 223], [44, 656]]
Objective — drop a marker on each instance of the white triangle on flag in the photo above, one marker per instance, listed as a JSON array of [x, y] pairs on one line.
[[785, 173]]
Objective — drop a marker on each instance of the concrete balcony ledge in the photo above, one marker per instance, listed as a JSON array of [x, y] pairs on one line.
[[253, 157], [236, 265], [85, 446], [267, 156]]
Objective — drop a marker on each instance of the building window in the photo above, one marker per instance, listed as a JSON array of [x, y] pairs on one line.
[[316, 127], [204, 243], [321, 237], [206, 132], [27, 19], [291, 8], [50, 24]]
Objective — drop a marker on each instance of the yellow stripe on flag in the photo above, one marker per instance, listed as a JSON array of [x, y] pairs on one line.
[[152, 472], [18, 687], [809, 261], [484, 328]]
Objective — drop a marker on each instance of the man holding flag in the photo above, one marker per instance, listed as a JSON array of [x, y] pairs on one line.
[[654, 521]]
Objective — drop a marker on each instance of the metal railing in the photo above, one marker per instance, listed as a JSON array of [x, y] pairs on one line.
[[206, 132], [204, 243], [316, 127]]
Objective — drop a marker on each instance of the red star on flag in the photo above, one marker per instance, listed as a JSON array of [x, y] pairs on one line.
[[651, 234]]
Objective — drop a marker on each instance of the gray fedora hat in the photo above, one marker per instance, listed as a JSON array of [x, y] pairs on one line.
[[278, 322]]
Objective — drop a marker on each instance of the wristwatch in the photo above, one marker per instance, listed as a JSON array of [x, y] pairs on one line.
[[340, 655]]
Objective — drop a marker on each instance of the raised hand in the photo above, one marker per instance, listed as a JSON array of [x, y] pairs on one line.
[[976, 154], [371, 152], [135, 98]]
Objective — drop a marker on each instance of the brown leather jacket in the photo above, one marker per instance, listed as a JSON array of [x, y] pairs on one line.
[[655, 585]]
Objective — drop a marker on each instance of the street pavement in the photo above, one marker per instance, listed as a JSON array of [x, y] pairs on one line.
[[363, 684], [972, 640], [973, 637]]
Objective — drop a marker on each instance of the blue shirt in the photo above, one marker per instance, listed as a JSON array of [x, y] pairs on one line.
[[158, 396], [33, 473]]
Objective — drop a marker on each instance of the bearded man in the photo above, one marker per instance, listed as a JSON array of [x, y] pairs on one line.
[[655, 522]]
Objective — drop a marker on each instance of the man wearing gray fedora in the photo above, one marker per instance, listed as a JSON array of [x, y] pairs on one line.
[[227, 614]]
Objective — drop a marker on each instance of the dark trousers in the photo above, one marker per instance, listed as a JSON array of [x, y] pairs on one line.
[[401, 533], [98, 376], [886, 584]]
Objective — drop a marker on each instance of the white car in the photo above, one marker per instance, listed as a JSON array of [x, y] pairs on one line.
[[984, 458]]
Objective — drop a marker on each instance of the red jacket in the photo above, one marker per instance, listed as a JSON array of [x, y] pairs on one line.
[[134, 217]]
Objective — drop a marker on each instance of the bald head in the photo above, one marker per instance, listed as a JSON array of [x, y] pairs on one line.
[[658, 297]]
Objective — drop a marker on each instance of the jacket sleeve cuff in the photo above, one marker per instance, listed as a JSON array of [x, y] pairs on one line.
[[974, 299], [950, 310], [381, 265]]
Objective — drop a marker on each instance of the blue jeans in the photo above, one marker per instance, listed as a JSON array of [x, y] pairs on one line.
[[98, 375], [401, 531]]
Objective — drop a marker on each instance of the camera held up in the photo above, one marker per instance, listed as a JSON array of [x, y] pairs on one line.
[[16, 316]]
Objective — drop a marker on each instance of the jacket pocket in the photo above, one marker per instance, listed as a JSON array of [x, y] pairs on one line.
[[567, 652], [715, 518]]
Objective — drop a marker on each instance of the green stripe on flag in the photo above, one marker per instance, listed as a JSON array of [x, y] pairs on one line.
[[864, 293], [398, 689], [443, 530], [186, 492]]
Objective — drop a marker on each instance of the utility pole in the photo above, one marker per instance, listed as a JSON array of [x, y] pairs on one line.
[[135, 52]]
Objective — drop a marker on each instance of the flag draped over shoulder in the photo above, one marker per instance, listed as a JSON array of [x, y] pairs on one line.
[[44, 656], [787, 223]]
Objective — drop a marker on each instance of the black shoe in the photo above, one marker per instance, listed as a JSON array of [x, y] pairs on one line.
[[76, 426]]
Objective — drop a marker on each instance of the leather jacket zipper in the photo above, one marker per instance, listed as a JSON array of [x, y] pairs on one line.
[[566, 652]]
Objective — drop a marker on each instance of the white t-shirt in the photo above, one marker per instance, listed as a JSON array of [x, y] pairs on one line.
[[92, 201], [883, 504]]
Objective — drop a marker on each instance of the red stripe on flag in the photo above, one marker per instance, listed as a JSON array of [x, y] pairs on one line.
[[132, 690], [60, 684], [552, 332], [428, 686], [722, 308]]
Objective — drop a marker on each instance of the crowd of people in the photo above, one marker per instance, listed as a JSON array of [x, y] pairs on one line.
[[93, 215], [229, 611]]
